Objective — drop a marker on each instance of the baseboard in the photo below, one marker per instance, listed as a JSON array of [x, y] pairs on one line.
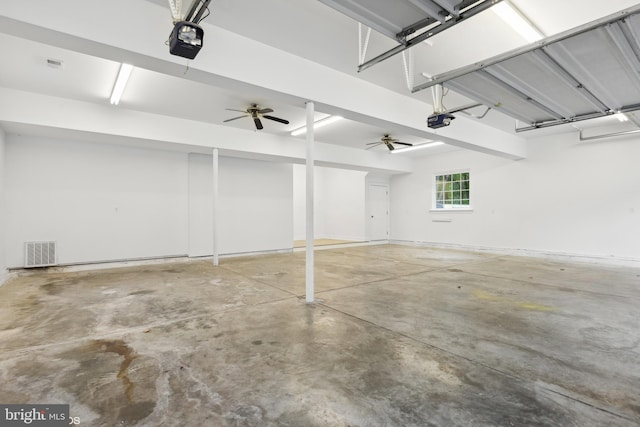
[[4, 276], [98, 265], [131, 262], [560, 256], [344, 245], [348, 238], [252, 253]]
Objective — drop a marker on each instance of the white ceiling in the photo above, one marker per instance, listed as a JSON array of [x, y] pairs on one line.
[[308, 29]]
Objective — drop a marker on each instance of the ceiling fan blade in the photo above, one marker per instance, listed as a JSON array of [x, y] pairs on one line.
[[373, 146], [277, 119], [403, 143], [391, 147], [258, 123], [371, 143], [233, 109], [265, 110], [234, 118]]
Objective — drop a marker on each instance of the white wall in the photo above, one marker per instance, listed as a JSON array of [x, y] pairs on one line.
[[3, 240], [105, 202], [200, 205], [255, 206], [344, 204], [339, 203], [99, 202], [566, 197]]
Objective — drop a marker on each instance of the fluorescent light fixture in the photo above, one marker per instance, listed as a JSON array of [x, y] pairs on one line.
[[512, 16], [121, 83], [417, 147], [622, 117], [317, 124]]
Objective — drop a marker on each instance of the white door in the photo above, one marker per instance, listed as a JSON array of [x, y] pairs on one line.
[[378, 212]]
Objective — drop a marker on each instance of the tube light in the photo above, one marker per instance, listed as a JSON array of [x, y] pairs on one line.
[[417, 147], [317, 124], [121, 83], [516, 20], [621, 117]]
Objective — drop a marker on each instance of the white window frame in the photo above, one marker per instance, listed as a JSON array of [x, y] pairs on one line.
[[451, 208]]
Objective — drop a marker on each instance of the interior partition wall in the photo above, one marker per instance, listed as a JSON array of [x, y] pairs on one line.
[[98, 202], [3, 240], [106, 202]]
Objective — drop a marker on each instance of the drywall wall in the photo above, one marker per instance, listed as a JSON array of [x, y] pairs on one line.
[[99, 202], [567, 197], [200, 205], [255, 206], [344, 204], [339, 203], [3, 240], [106, 202]]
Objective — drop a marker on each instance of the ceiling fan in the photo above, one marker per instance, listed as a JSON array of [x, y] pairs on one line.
[[388, 141], [256, 113]]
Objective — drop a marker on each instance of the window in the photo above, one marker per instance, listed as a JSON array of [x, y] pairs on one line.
[[453, 191]]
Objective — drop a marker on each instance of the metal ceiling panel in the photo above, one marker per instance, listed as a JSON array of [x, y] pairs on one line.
[[386, 17], [521, 73], [596, 61], [399, 18], [488, 92], [585, 73]]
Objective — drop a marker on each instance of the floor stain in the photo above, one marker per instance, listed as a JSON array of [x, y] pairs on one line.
[[143, 292], [121, 348], [520, 304]]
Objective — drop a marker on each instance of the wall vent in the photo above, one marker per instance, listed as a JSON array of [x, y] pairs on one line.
[[40, 254]]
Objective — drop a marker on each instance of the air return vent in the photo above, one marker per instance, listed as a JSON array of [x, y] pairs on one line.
[[39, 254]]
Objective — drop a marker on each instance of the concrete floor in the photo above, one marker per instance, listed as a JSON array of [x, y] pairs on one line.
[[400, 336]]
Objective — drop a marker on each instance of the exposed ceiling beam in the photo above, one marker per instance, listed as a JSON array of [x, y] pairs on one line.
[[220, 66], [31, 109]]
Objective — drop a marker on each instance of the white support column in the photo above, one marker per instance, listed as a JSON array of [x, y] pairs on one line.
[[214, 199], [309, 197]]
